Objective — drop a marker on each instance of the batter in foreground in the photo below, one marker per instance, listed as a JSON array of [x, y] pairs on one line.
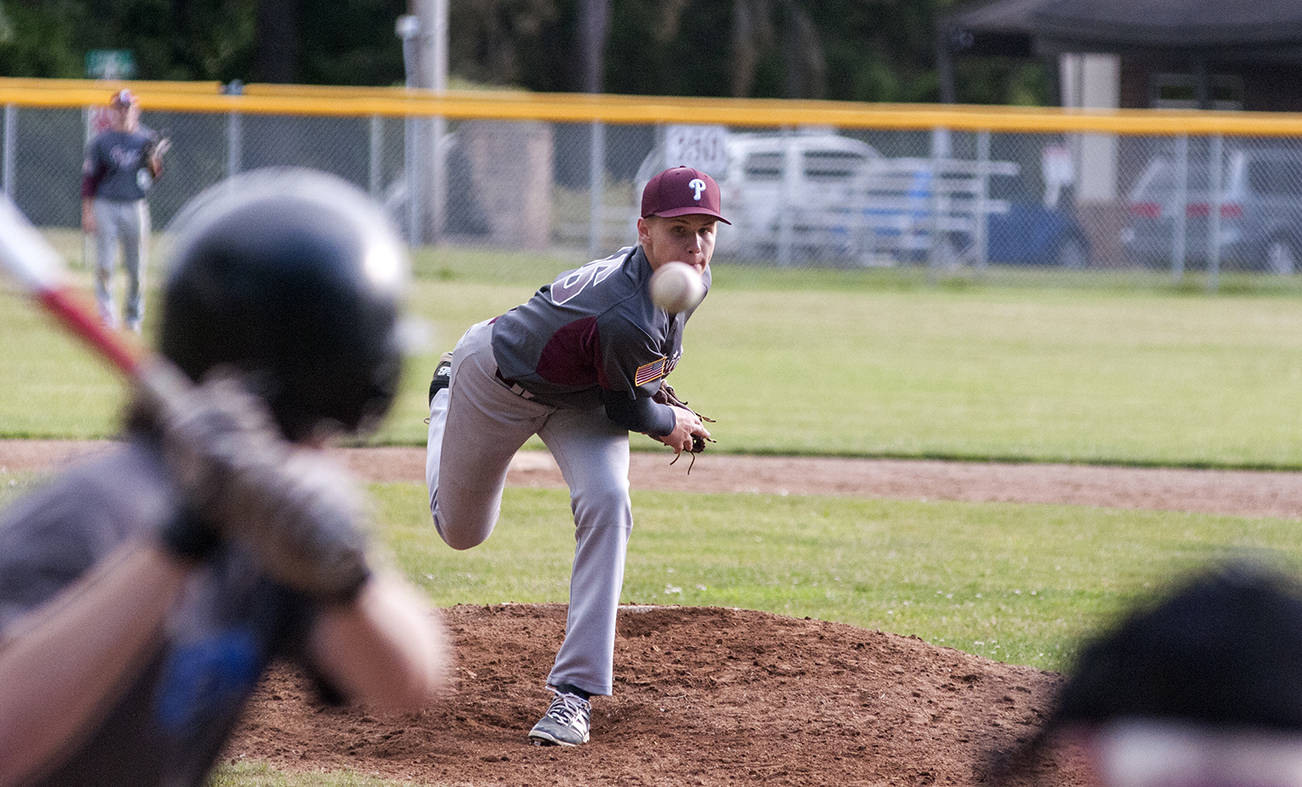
[[580, 364], [145, 591]]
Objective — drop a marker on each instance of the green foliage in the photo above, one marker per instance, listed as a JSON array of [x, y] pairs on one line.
[[209, 40], [518, 42], [350, 43], [38, 40], [837, 49]]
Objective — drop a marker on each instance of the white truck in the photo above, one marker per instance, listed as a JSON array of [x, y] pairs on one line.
[[825, 197]]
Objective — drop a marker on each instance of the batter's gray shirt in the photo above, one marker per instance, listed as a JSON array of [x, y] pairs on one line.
[[593, 328], [230, 624], [115, 162]]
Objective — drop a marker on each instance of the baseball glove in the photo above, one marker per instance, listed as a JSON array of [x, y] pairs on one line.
[[667, 395], [157, 145]]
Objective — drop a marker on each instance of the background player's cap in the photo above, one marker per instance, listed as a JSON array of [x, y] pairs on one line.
[[123, 98], [682, 191]]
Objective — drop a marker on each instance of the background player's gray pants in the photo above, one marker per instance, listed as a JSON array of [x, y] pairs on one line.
[[476, 426], [125, 222]]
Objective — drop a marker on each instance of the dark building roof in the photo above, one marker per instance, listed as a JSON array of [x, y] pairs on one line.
[[1238, 29], [1170, 24], [1001, 27]]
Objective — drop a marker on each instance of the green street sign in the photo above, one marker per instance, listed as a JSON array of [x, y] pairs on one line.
[[110, 64]]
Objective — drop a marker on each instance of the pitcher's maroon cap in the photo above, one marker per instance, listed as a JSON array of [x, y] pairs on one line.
[[682, 191]]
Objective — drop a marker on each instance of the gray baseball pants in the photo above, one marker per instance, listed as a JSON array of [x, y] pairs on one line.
[[124, 222], [476, 426]]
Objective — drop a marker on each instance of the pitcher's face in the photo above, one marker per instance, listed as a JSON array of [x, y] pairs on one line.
[[688, 239]]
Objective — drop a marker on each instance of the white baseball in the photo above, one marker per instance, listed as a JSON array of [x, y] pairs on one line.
[[676, 287]]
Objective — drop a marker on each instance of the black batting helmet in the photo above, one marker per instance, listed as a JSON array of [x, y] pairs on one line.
[[294, 277]]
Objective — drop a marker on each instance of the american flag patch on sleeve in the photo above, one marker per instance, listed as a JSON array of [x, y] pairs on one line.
[[651, 371]]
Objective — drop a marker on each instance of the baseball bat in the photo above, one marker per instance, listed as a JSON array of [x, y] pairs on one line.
[[41, 272]]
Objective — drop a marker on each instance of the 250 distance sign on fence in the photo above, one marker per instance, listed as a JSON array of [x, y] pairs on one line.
[[701, 147]]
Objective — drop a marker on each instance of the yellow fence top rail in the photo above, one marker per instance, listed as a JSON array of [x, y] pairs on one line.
[[650, 110]]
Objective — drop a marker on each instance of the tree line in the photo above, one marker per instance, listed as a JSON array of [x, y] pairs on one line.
[[853, 50]]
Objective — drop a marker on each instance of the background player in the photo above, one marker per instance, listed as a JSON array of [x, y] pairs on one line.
[[577, 365], [121, 164], [144, 592]]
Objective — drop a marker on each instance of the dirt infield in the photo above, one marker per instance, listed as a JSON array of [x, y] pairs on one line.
[[703, 696], [708, 696], [1247, 493]]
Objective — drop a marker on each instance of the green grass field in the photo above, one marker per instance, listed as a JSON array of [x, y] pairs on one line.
[[1015, 583], [852, 363], [855, 363]]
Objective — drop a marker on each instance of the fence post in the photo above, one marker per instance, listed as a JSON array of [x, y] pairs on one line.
[[791, 164], [1180, 228], [412, 167], [935, 243], [11, 128], [375, 160], [1214, 217], [596, 188], [437, 167], [234, 146], [981, 207]]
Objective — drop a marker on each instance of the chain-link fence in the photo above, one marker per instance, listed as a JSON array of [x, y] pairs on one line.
[[998, 194]]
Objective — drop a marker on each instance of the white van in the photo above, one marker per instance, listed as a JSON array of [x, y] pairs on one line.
[[818, 174], [819, 196], [1256, 218]]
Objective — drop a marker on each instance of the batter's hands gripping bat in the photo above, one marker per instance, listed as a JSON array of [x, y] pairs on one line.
[[292, 511]]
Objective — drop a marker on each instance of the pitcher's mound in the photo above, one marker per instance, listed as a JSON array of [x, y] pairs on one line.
[[703, 696]]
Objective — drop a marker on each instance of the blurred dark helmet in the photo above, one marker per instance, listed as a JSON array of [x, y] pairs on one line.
[[1222, 649], [295, 277], [1202, 686]]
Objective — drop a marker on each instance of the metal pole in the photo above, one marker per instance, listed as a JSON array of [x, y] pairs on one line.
[[11, 128], [376, 159], [234, 149], [1181, 224], [1214, 218], [786, 196], [234, 131], [981, 209], [596, 188], [438, 56], [595, 21], [935, 243], [407, 28]]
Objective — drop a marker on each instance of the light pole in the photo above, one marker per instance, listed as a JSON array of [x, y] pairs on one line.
[[407, 29], [424, 34]]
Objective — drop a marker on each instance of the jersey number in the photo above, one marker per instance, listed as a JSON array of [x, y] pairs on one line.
[[595, 272]]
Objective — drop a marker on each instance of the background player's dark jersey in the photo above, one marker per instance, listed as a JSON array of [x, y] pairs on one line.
[[593, 328], [114, 160]]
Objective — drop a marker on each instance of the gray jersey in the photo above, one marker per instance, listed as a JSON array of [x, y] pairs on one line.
[[115, 163], [231, 623], [593, 328]]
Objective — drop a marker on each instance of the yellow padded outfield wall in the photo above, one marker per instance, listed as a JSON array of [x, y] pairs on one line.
[[572, 108]]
